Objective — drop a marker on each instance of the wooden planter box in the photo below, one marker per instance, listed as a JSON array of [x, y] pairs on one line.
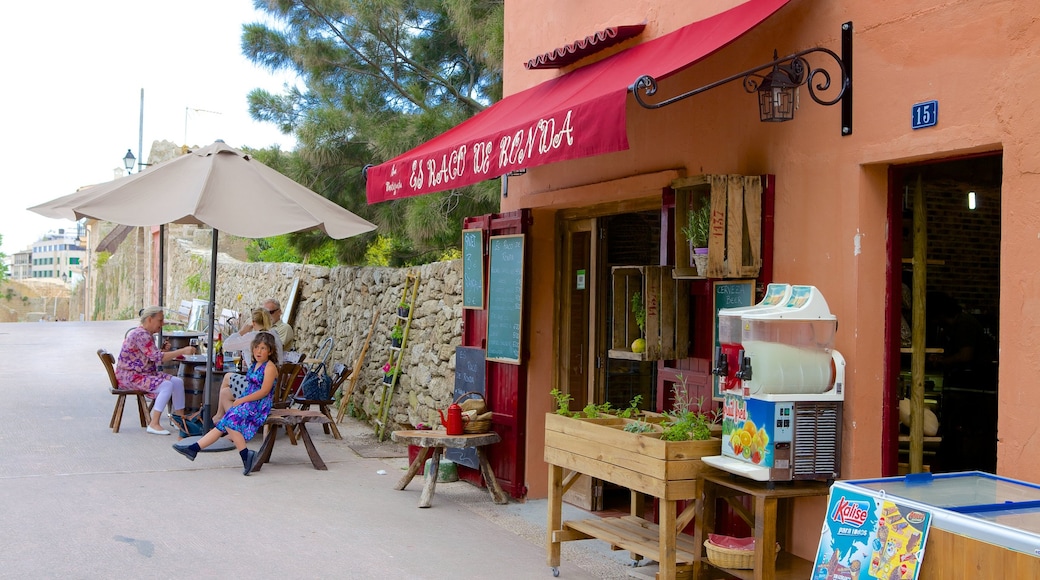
[[638, 461], [667, 302], [735, 240]]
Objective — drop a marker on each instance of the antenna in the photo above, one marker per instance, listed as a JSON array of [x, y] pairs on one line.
[[186, 109]]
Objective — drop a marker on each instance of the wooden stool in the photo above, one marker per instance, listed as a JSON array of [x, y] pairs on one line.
[[117, 414], [295, 422]]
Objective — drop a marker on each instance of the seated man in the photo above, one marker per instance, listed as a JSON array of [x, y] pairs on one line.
[[281, 328]]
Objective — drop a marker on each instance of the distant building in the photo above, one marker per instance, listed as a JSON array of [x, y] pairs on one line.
[[20, 265], [59, 256]]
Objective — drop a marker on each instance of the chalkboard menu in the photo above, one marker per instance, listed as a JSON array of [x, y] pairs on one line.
[[469, 378], [505, 298], [728, 294], [473, 269]]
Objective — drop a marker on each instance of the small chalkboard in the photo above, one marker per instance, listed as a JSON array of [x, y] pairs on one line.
[[473, 269], [728, 294], [505, 298], [469, 378]]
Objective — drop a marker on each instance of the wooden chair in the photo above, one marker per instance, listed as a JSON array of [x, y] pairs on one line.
[[287, 373], [117, 414], [340, 372]]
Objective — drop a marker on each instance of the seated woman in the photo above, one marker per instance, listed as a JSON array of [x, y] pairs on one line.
[[249, 412], [234, 383], [140, 367]]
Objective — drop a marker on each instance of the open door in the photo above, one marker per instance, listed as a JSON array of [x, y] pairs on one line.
[[578, 284]]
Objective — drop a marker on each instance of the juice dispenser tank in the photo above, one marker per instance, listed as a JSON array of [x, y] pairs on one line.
[[790, 348], [727, 359]]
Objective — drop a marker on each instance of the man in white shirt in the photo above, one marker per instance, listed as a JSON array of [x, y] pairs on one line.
[[281, 328]]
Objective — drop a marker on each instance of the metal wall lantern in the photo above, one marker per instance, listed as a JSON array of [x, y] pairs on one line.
[[777, 89]]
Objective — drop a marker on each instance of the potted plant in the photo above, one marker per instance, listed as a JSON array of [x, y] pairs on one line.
[[403, 308], [696, 230], [639, 312], [686, 421], [396, 336], [389, 370]]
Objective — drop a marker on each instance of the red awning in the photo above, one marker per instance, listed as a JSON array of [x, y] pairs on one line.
[[579, 49], [579, 114]]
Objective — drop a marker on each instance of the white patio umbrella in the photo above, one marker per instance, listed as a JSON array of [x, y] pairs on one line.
[[217, 186]]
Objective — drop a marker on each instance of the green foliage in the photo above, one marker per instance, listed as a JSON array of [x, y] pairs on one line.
[[633, 408], [686, 421], [639, 426], [698, 225], [397, 333], [102, 258], [593, 411], [284, 249], [379, 79], [9, 294], [196, 286], [639, 311], [563, 401]]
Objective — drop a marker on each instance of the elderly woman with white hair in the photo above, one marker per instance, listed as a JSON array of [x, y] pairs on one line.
[[140, 367]]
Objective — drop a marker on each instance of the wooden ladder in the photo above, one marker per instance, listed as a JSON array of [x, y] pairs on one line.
[[411, 286]]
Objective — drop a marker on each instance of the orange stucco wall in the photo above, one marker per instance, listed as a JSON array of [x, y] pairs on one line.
[[979, 59]]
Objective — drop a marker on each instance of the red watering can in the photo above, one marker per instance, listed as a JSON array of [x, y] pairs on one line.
[[453, 424]]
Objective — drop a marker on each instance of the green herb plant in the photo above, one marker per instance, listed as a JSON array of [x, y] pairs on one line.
[[698, 225], [563, 401], [686, 421], [397, 333], [633, 408], [639, 426], [593, 411], [639, 311]]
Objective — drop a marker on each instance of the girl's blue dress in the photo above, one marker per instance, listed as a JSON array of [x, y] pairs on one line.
[[247, 418]]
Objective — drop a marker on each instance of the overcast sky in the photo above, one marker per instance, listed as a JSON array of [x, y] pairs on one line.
[[71, 105]]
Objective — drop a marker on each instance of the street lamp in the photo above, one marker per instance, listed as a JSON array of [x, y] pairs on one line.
[[128, 161]]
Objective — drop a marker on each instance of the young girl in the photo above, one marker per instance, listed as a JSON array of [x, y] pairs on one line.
[[247, 413]]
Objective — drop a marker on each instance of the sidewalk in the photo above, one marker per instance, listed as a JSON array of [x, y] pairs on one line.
[[79, 501]]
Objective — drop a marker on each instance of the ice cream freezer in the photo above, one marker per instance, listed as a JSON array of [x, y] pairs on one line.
[[955, 525]]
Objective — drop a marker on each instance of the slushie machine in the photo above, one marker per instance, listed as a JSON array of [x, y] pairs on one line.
[[782, 385]]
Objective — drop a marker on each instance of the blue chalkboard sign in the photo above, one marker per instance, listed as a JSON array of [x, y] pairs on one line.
[[505, 298], [473, 269], [469, 378]]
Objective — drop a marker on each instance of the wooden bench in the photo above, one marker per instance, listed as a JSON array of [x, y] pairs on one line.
[[295, 423]]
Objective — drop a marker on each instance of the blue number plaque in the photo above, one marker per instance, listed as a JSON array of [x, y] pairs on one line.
[[924, 114]]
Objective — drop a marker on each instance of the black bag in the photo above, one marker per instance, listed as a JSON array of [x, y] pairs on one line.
[[316, 384], [190, 426]]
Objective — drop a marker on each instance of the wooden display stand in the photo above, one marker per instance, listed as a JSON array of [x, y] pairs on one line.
[[735, 239], [768, 519], [667, 303], [667, 470]]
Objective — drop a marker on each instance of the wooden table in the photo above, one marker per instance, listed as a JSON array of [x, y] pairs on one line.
[[295, 421], [438, 441], [768, 515]]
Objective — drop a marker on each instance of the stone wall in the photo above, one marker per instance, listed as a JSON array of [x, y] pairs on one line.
[[341, 303]]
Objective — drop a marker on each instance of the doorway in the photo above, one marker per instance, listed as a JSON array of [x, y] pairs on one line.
[[949, 212], [590, 246]]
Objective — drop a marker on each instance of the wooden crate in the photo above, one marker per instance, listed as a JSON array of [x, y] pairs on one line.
[[638, 461], [667, 302], [735, 241]]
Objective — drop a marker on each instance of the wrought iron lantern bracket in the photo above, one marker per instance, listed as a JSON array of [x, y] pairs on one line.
[[785, 74]]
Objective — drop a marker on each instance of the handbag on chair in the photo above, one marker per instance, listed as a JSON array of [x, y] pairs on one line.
[[315, 385]]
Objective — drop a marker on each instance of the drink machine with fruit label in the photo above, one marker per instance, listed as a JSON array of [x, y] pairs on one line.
[[782, 421]]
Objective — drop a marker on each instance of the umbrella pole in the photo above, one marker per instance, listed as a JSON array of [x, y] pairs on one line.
[[208, 393]]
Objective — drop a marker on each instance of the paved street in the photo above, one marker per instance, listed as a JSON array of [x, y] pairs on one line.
[[78, 501]]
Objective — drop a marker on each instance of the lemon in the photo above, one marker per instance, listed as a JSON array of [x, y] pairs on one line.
[[638, 345]]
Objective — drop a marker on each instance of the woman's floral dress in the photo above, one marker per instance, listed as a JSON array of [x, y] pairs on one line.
[[140, 363], [248, 417]]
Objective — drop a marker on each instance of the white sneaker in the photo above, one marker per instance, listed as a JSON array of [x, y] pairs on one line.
[[157, 431]]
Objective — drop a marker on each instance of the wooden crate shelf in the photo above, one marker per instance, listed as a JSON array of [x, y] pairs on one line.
[[667, 302], [735, 239]]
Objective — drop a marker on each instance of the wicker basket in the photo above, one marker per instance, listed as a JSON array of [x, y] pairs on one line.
[[474, 426], [730, 558]]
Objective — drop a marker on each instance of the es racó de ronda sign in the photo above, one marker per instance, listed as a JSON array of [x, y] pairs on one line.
[[451, 160]]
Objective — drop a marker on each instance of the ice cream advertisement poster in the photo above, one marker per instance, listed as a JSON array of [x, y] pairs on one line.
[[868, 537]]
